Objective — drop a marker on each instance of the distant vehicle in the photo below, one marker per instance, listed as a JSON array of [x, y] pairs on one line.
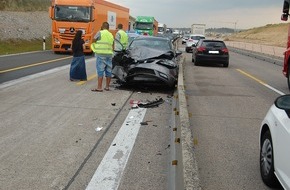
[[161, 28], [132, 36], [274, 140], [210, 52], [286, 65], [198, 29], [68, 16], [148, 60], [192, 39], [184, 38], [146, 25]]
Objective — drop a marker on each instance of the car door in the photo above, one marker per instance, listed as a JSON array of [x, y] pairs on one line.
[[281, 149]]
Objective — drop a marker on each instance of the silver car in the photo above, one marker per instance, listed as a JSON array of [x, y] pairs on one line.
[[193, 39]]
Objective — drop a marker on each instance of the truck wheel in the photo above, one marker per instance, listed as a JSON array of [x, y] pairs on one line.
[[288, 77]]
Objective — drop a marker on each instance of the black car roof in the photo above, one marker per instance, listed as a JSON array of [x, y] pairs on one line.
[[208, 40], [151, 37]]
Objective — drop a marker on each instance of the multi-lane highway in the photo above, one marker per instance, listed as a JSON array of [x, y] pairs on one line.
[[57, 134]]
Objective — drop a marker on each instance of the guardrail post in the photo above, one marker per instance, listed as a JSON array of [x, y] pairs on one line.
[[43, 46]]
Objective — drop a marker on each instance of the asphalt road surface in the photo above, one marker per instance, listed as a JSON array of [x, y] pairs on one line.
[[57, 134], [227, 106]]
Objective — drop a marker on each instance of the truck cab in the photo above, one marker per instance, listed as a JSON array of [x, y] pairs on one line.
[[69, 16], [146, 25]]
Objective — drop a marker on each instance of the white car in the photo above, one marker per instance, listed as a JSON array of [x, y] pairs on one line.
[[185, 38], [274, 142], [193, 39]]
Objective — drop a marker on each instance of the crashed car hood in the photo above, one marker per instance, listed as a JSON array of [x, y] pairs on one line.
[[142, 53]]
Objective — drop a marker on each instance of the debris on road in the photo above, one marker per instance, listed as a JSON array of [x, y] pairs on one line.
[[151, 104], [99, 129]]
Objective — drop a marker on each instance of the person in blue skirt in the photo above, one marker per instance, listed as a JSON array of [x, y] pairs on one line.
[[78, 65]]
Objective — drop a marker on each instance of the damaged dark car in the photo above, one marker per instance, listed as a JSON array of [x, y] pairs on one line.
[[148, 60]]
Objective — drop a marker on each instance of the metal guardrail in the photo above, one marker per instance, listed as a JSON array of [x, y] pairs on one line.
[[259, 48]]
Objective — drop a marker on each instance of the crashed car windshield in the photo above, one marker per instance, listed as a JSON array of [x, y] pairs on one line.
[[158, 43], [150, 60]]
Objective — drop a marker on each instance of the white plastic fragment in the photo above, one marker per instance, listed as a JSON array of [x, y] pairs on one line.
[[99, 129]]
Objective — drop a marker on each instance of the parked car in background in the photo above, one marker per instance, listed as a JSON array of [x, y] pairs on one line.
[[192, 39], [147, 60], [274, 140], [210, 52], [184, 38]]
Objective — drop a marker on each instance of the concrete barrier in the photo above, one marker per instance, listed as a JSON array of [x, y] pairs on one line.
[[186, 176]]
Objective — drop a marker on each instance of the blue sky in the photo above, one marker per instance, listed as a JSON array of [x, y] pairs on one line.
[[243, 14]]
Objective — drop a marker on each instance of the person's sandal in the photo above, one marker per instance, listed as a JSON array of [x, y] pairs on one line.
[[106, 89], [96, 90]]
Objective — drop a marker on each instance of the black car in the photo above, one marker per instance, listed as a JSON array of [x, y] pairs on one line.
[[210, 52], [147, 60]]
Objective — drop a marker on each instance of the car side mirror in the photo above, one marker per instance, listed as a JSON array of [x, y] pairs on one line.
[[283, 102], [284, 17]]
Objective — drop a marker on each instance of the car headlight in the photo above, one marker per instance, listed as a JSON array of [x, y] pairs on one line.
[[56, 40], [61, 30], [167, 63]]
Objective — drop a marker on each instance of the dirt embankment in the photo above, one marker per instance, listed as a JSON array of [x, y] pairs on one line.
[[24, 25], [272, 34]]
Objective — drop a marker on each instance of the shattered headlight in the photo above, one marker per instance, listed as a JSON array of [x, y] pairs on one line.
[[167, 63]]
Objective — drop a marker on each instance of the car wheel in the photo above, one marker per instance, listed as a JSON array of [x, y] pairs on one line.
[[267, 161], [288, 77], [226, 64], [196, 63]]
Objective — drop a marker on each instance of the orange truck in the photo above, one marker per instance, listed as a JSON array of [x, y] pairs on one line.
[[69, 16]]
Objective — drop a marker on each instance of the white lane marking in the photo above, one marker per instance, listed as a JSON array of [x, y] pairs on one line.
[[37, 75], [260, 81], [33, 76], [109, 173], [274, 89]]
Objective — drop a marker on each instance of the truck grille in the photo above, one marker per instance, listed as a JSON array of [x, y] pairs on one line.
[[68, 35]]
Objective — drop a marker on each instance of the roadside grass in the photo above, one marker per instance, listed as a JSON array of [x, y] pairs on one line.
[[19, 46]]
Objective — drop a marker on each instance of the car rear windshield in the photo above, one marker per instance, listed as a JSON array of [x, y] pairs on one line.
[[197, 37], [213, 44], [152, 43]]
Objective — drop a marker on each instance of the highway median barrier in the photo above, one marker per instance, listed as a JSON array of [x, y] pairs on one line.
[[186, 170]]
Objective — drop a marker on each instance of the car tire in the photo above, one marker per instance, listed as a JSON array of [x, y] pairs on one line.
[[226, 64], [267, 161], [196, 63]]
